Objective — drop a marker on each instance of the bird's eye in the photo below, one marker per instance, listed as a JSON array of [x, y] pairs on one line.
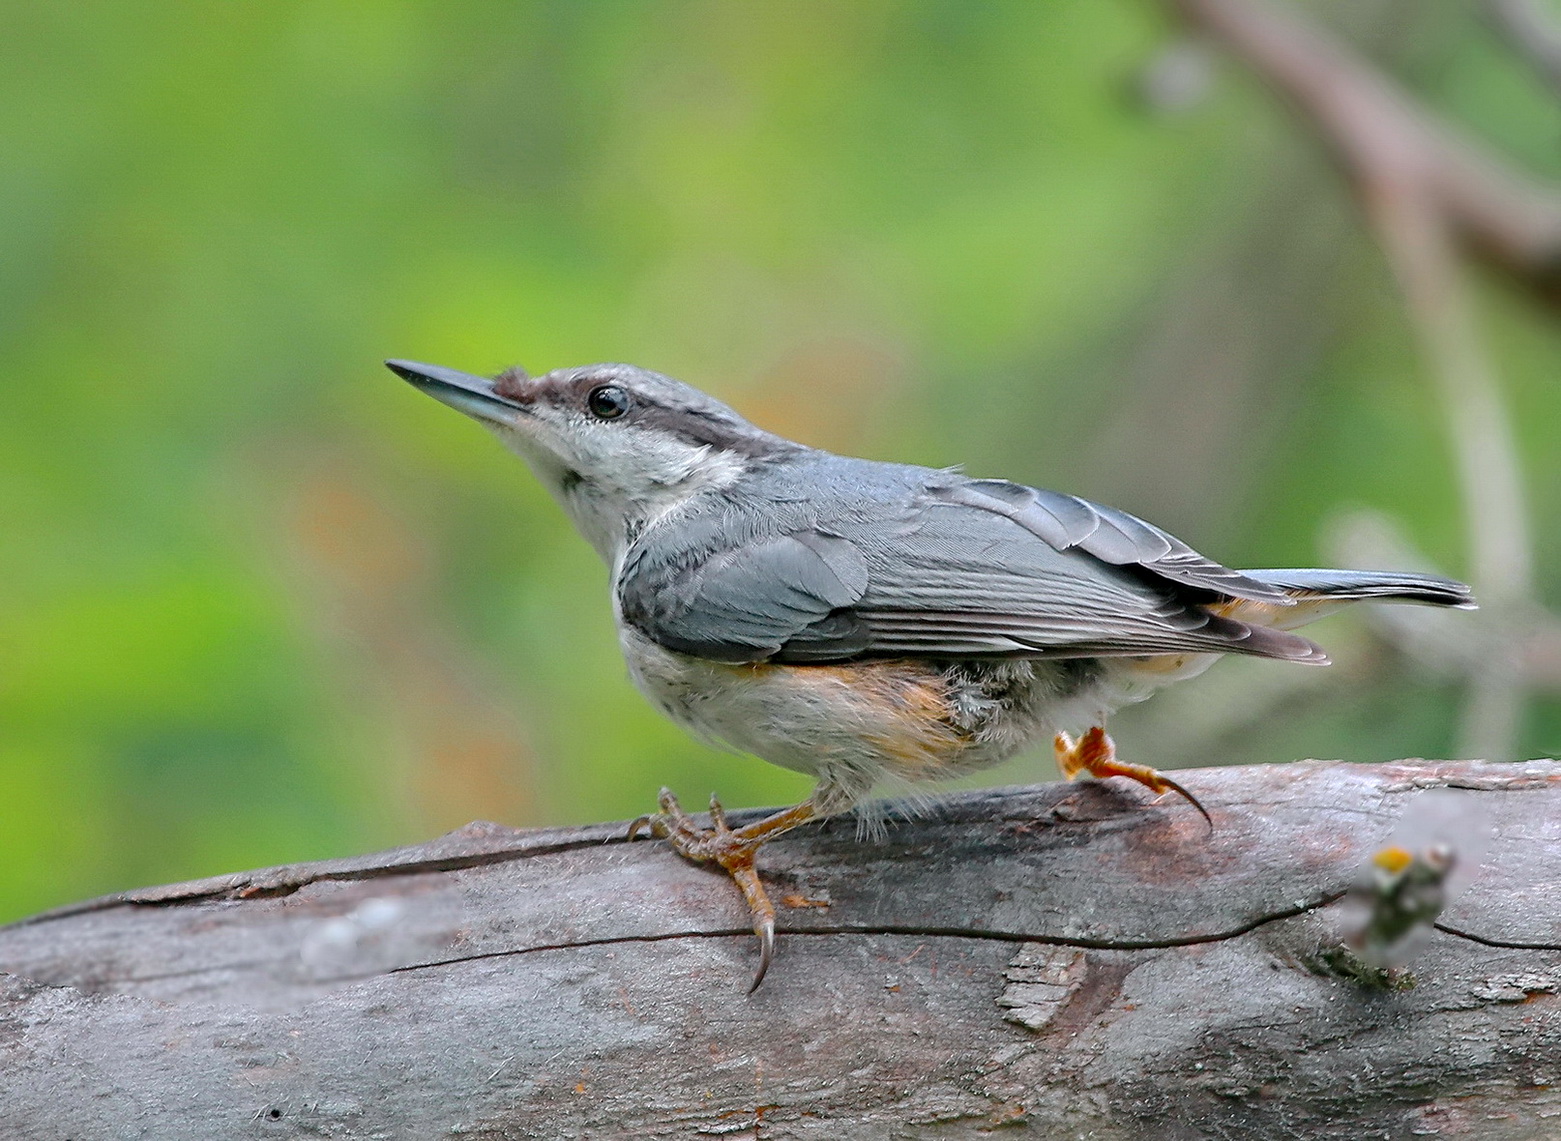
[[607, 402]]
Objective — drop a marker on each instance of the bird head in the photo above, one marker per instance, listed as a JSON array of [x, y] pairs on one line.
[[617, 446]]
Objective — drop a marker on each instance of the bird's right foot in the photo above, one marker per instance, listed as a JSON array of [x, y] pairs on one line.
[[1096, 754]]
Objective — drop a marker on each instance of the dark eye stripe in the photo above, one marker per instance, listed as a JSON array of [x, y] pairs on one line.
[[607, 402]]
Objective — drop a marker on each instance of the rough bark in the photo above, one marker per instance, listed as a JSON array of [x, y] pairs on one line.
[[1066, 958]]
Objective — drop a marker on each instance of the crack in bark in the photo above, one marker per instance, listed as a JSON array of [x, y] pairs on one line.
[[978, 933], [254, 888], [915, 930], [1485, 941]]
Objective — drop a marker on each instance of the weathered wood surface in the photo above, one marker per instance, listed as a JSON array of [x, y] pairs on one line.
[[1064, 958]]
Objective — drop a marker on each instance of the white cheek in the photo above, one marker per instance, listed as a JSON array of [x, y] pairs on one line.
[[648, 467], [692, 467]]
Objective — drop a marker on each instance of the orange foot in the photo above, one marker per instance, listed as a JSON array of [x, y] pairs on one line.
[[734, 850], [1095, 753]]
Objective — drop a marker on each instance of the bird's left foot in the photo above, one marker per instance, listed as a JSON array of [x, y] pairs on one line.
[[733, 849], [1096, 754]]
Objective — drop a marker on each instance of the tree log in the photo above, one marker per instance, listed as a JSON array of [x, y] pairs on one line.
[[1065, 957]]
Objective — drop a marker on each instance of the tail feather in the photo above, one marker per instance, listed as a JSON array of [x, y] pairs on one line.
[[1348, 585]]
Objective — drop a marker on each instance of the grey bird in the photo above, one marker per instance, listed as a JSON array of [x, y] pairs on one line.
[[856, 620]]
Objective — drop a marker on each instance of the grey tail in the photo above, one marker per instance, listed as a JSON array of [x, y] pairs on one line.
[[1346, 585]]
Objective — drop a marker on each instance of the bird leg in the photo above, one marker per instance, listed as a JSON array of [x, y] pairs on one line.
[[1096, 754], [734, 850]]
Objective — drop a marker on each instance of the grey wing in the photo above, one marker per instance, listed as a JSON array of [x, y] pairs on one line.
[[746, 603], [945, 574]]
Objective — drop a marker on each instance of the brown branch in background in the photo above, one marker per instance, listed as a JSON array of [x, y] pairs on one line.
[[1532, 33], [1429, 193], [1381, 135]]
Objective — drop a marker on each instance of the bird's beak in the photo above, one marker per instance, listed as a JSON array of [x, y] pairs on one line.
[[473, 395]]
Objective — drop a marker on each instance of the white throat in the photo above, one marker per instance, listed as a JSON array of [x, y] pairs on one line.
[[611, 501]]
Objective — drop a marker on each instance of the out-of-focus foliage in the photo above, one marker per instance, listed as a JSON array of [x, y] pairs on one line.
[[262, 602]]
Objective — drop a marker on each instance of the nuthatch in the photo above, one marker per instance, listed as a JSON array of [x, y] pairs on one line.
[[853, 620]]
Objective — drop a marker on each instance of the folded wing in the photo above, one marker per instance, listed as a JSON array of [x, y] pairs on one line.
[[977, 568]]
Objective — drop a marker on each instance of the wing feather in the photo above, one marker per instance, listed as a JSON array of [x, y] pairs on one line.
[[1066, 521]]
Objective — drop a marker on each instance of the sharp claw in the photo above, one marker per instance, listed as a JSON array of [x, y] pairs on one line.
[[734, 852], [765, 930], [1189, 798], [638, 823]]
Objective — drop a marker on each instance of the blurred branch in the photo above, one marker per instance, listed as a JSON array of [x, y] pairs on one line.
[[1384, 139], [1428, 194], [1415, 238], [1532, 33]]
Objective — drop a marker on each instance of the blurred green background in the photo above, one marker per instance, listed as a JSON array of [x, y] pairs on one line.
[[261, 602]]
